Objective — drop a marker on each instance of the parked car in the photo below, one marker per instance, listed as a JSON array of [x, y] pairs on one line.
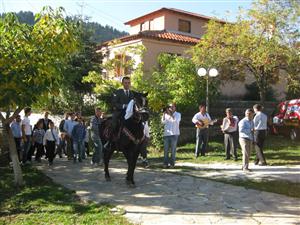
[[286, 119]]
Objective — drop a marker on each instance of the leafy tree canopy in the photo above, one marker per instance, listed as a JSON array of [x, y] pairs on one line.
[[262, 44], [32, 58], [176, 80]]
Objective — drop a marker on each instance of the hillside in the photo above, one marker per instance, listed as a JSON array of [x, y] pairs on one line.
[[99, 33]]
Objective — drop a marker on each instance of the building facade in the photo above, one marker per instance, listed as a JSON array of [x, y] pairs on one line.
[[167, 30]]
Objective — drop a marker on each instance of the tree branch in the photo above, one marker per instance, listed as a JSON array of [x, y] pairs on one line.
[[17, 111]]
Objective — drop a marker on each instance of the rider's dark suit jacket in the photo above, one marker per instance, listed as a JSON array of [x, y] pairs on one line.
[[120, 99]]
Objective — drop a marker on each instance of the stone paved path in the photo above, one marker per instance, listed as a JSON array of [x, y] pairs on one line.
[[166, 198]]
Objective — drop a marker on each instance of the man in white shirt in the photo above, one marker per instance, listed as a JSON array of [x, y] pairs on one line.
[[201, 121], [260, 130], [229, 128], [26, 134], [171, 120]]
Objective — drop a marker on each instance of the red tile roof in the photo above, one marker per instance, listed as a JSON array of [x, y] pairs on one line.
[[162, 35]]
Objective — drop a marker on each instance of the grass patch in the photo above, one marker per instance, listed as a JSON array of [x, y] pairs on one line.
[[42, 201], [278, 151], [274, 186]]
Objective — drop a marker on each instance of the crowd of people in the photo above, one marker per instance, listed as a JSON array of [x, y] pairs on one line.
[[72, 136], [44, 139]]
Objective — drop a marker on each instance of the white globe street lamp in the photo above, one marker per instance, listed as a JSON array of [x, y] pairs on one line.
[[212, 72]]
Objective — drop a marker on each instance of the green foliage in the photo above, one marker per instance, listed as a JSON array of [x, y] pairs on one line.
[[73, 91], [32, 58], [42, 201], [99, 33], [175, 81], [103, 89], [261, 44], [156, 131]]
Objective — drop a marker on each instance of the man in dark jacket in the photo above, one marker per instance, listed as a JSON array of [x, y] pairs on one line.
[[120, 100], [46, 121]]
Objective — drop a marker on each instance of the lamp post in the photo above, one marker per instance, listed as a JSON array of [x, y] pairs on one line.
[[212, 72]]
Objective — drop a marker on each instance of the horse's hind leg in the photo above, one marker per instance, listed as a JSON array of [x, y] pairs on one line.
[[108, 151]]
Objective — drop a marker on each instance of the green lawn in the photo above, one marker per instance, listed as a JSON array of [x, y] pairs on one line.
[[278, 151], [42, 201]]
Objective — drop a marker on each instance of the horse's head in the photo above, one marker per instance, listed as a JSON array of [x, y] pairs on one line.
[[140, 112]]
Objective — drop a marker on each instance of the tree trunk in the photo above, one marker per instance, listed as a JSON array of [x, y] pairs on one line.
[[14, 157], [262, 94]]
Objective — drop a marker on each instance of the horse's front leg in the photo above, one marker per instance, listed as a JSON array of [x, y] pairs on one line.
[[108, 151], [133, 154], [135, 157]]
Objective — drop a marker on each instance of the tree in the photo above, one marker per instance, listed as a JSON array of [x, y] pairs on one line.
[[32, 59], [73, 91], [261, 44], [175, 80], [104, 87]]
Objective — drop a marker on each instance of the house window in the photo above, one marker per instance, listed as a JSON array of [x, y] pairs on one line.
[[121, 66], [184, 26]]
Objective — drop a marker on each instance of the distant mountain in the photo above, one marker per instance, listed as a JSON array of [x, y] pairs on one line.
[[99, 33]]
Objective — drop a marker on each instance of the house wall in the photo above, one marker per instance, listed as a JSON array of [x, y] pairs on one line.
[[157, 23], [169, 21], [154, 48], [197, 25]]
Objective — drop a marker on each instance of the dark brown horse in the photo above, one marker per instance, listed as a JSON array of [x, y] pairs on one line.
[[129, 138]]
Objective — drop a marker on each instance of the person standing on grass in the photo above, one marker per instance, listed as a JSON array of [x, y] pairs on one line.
[[246, 138], [202, 121], [15, 127], [260, 131], [95, 125], [26, 134], [229, 128], [50, 141], [38, 136], [171, 120], [78, 136]]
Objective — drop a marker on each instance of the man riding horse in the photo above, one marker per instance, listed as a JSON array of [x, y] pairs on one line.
[[127, 130], [120, 100]]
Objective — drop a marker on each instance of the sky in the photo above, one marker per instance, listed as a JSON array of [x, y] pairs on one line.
[[116, 12]]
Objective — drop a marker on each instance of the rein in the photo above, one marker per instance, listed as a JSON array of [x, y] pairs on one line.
[[131, 137]]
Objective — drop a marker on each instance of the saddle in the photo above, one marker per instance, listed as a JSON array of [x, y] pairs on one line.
[[108, 133]]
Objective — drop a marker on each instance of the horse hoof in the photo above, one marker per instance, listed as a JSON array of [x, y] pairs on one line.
[[131, 185], [107, 179]]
